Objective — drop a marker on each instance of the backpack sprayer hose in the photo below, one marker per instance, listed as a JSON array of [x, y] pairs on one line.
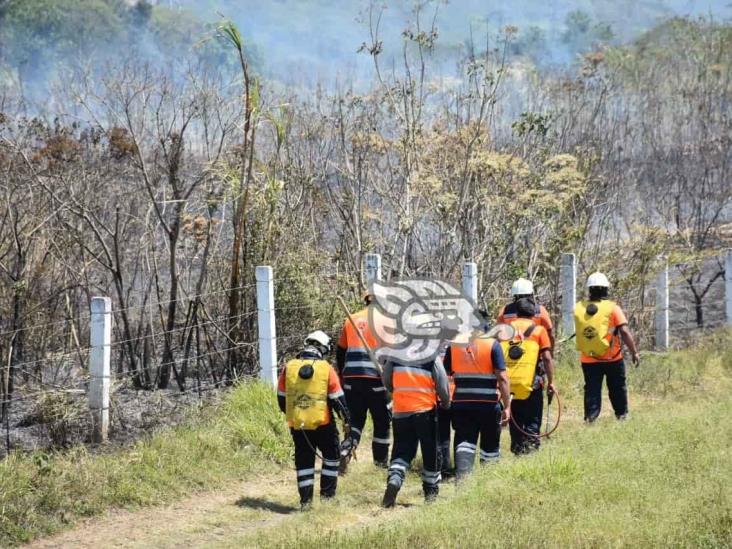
[[311, 446], [347, 434], [547, 433]]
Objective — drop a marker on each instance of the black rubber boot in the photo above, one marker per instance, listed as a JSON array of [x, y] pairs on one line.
[[430, 493], [390, 496]]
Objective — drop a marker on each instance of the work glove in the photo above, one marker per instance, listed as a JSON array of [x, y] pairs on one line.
[[551, 390], [636, 359]]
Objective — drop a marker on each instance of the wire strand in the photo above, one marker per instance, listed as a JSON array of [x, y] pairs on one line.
[[183, 328], [183, 299]]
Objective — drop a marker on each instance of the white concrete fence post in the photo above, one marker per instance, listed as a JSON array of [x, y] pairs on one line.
[[372, 266], [662, 308], [470, 280], [100, 366], [266, 325], [728, 286], [568, 276]]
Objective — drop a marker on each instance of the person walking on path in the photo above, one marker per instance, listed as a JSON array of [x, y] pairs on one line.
[[600, 325], [529, 360], [415, 388], [364, 389], [481, 384], [307, 391]]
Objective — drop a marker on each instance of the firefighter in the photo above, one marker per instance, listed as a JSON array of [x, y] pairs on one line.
[[524, 288], [363, 386], [415, 388], [479, 373], [599, 325], [308, 391], [528, 358]]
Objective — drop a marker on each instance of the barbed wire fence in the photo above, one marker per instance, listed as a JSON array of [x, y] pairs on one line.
[[62, 377], [79, 377]]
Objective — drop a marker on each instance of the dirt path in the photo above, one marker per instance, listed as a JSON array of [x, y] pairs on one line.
[[257, 512], [205, 518], [247, 514]]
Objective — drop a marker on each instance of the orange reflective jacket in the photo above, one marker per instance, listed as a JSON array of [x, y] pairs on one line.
[[358, 363], [472, 366], [414, 388]]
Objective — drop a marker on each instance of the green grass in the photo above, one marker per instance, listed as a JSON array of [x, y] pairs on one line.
[[662, 478], [44, 492]]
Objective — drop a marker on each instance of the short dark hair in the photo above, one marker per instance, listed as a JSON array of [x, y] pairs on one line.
[[597, 293], [525, 307]]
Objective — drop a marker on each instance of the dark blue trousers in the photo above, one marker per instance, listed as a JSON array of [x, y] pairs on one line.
[[471, 423], [527, 414], [443, 422], [617, 389], [416, 430], [364, 396]]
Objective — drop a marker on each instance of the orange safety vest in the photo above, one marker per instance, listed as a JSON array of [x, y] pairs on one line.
[[414, 388], [541, 317], [358, 363], [472, 367]]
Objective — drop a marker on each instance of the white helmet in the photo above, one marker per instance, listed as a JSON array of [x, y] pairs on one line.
[[522, 286], [597, 279], [320, 338]]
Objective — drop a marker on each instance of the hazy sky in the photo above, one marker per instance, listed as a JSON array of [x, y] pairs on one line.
[[322, 36]]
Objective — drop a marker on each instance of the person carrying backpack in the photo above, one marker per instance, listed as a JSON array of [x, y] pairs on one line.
[[528, 358], [524, 288], [599, 325], [307, 390]]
